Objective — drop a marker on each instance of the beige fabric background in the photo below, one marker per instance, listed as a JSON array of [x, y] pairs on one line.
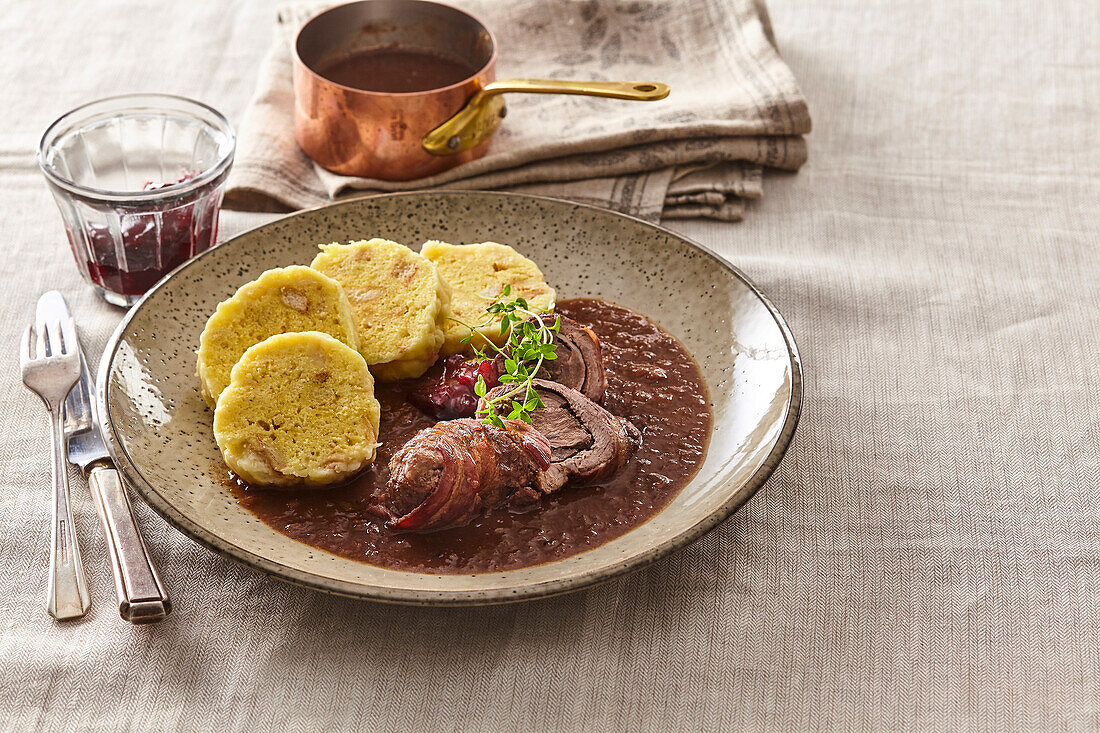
[[927, 556]]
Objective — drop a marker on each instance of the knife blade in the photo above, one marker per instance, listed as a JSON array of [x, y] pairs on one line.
[[141, 595], [84, 442]]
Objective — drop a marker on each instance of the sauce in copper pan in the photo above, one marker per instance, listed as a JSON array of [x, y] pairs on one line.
[[396, 70]]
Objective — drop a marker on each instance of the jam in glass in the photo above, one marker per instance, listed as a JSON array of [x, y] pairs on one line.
[[138, 179]]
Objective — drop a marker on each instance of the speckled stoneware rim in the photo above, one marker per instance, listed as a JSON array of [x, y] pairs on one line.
[[420, 597]]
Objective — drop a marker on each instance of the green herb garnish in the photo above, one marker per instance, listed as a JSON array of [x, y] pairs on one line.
[[530, 344]]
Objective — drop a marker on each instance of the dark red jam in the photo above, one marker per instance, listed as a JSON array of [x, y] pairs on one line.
[[152, 243], [450, 394]]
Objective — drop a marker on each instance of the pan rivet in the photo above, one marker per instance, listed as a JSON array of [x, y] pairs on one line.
[[453, 142]]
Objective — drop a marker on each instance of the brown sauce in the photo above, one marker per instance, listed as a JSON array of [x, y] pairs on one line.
[[651, 380], [396, 70]]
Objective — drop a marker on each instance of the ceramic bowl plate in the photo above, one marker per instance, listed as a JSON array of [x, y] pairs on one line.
[[159, 428]]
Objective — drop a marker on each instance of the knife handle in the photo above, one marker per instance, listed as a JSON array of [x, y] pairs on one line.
[[141, 596]]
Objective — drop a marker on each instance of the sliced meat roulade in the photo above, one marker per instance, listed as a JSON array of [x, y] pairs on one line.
[[579, 363], [453, 471], [587, 443]]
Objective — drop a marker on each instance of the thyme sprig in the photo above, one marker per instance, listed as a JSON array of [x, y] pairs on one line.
[[530, 344]]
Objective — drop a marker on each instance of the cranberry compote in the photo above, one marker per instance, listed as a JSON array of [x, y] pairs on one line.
[[147, 244], [450, 394]]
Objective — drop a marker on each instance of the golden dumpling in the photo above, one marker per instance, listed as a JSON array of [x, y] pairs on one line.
[[397, 299], [279, 301], [299, 409], [476, 275]]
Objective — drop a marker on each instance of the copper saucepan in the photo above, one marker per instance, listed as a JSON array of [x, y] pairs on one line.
[[398, 136]]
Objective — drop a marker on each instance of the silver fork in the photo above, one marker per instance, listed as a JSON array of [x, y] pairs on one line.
[[50, 371]]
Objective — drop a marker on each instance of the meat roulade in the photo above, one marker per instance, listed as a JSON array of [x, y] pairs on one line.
[[579, 362], [449, 473], [587, 443]]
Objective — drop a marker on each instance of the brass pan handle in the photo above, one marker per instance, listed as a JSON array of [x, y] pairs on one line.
[[481, 116], [641, 91]]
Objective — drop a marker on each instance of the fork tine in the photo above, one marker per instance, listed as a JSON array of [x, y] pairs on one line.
[[26, 346], [53, 336], [68, 336], [42, 351]]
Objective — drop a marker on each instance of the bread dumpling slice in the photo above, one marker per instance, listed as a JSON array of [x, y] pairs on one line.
[[278, 301], [299, 409], [476, 275], [397, 299]]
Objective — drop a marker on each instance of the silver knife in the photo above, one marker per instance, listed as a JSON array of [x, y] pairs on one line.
[[141, 595]]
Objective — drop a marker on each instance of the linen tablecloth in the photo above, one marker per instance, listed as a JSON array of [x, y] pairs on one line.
[[928, 554]]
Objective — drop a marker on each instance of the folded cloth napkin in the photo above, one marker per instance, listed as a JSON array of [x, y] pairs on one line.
[[735, 108]]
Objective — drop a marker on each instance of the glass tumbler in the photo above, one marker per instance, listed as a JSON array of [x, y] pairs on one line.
[[139, 180]]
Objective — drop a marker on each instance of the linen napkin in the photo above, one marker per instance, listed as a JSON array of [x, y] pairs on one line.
[[734, 110]]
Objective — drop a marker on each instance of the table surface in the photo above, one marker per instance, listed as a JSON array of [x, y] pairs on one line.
[[927, 555]]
